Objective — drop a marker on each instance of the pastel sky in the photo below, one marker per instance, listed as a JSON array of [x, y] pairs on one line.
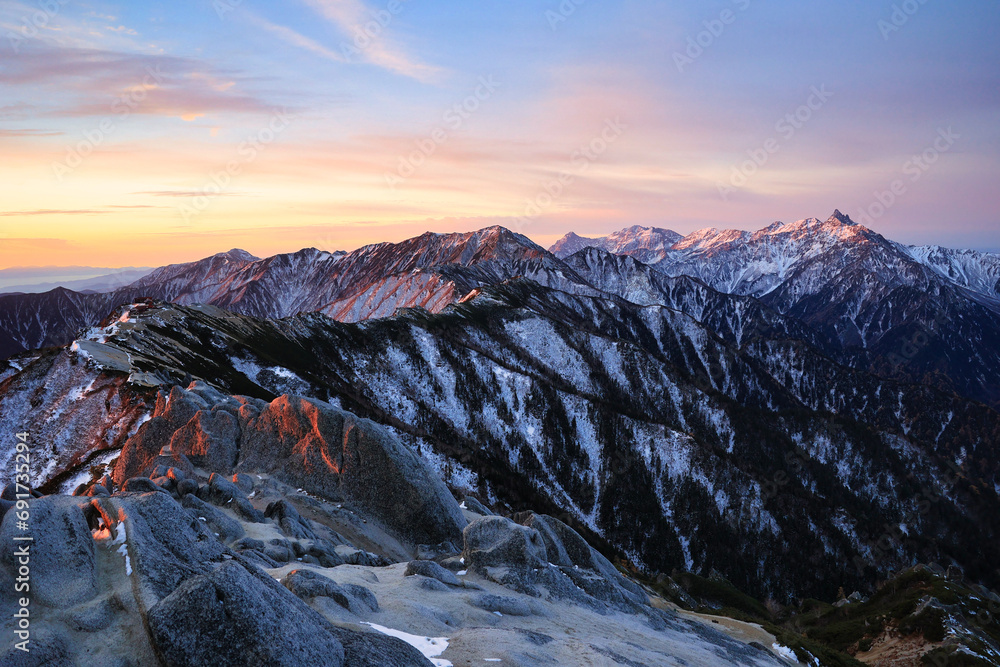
[[141, 133]]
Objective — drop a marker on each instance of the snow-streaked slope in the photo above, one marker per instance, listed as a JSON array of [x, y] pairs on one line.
[[74, 413], [619, 416], [917, 313], [735, 318], [977, 271]]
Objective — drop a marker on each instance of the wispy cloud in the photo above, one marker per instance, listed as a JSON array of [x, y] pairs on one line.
[[295, 38], [59, 23], [351, 17], [186, 193], [19, 111], [45, 211], [113, 208], [102, 82], [30, 133]]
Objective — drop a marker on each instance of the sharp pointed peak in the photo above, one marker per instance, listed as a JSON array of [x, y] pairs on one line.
[[842, 218]]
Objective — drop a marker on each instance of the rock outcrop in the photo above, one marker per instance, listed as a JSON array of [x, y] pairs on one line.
[[305, 443], [190, 571], [335, 454], [230, 614]]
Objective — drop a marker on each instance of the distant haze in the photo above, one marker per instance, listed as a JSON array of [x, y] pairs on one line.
[[32, 280]]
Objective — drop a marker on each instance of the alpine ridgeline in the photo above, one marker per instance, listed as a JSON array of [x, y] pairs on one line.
[[802, 409]]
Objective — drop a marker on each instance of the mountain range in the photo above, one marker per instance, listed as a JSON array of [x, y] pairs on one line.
[[802, 409], [920, 314]]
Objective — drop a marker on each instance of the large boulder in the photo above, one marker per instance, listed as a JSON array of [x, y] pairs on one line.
[[147, 449], [502, 604], [370, 649], [231, 617], [302, 442], [47, 649], [224, 493], [563, 545], [333, 453], [141, 485], [289, 519], [431, 570], [238, 616], [307, 584], [166, 544], [548, 557], [566, 548], [506, 552], [63, 559], [218, 522]]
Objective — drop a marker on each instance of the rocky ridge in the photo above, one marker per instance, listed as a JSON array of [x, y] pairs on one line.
[[186, 552]]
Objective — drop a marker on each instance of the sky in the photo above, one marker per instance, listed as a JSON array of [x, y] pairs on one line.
[[146, 133]]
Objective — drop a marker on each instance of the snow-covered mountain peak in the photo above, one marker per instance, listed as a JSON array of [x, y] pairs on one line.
[[799, 257], [696, 237], [466, 249], [214, 269], [842, 218], [817, 233], [644, 238], [838, 227], [237, 255], [774, 226], [308, 256], [711, 238], [571, 244], [647, 244], [638, 231], [499, 238]]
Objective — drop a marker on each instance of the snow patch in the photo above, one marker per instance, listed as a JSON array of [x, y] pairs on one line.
[[784, 652], [430, 647], [122, 540]]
